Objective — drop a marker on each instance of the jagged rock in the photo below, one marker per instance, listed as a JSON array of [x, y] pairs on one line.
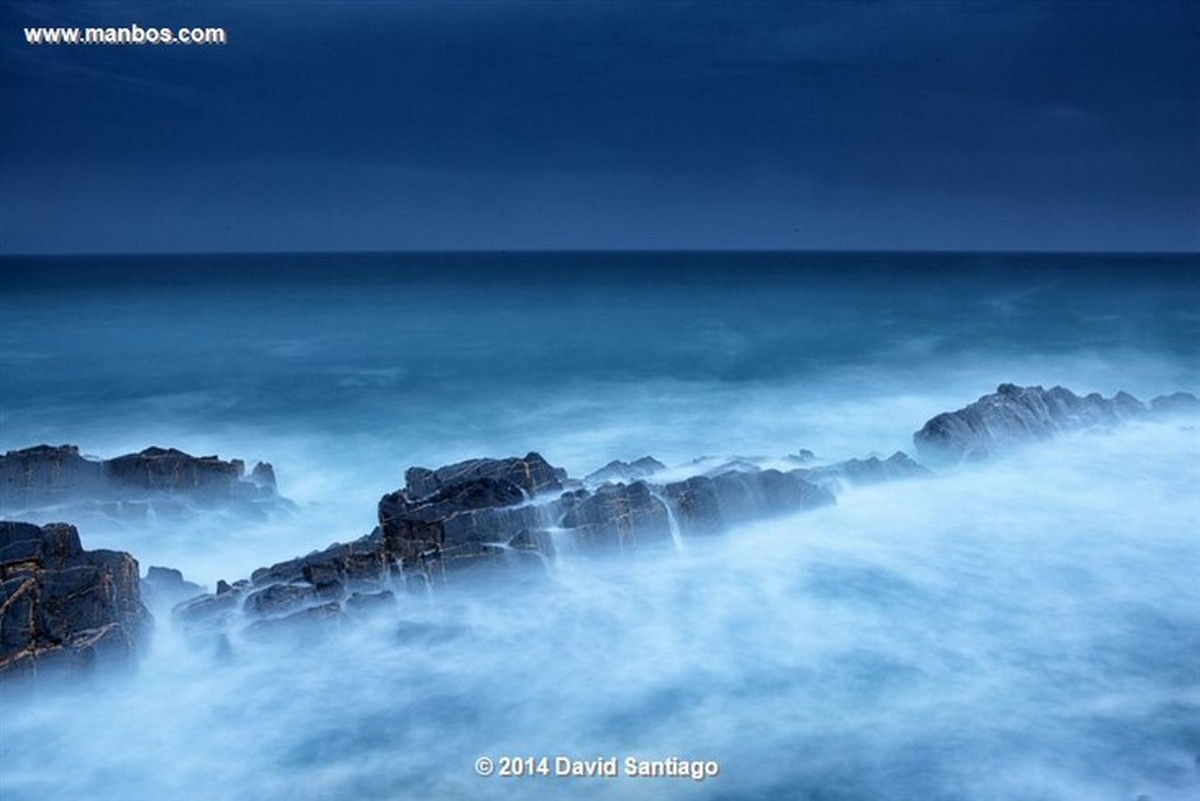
[[165, 586], [619, 472], [279, 599], [63, 606], [363, 562], [127, 486], [872, 470], [456, 525], [496, 514], [707, 505], [1014, 415], [616, 515], [532, 474], [473, 516]]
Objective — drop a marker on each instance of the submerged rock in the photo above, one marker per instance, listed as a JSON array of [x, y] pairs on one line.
[[62, 606], [163, 479]]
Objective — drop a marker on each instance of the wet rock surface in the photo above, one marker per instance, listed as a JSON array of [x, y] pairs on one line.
[[62, 606]]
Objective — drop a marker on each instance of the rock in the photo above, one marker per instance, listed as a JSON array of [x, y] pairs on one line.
[[47, 476], [1176, 403], [279, 599], [872, 470], [211, 610], [362, 563], [165, 586], [128, 486], [326, 614], [1016, 415], [618, 472], [617, 516], [63, 606], [709, 504], [493, 515], [476, 517], [532, 474]]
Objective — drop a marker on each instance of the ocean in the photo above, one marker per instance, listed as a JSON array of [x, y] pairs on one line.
[[1022, 629]]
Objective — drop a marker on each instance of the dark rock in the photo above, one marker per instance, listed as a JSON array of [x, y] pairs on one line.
[[326, 614], [165, 586], [460, 523], [1016, 415], [63, 606], [280, 599], [45, 475], [164, 479], [618, 516], [706, 505], [360, 563], [618, 472], [209, 610], [264, 476], [532, 474]]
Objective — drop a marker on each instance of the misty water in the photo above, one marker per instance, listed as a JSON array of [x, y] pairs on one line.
[[1023, 629]]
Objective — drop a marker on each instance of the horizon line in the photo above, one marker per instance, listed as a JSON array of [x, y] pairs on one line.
[[614, 251]]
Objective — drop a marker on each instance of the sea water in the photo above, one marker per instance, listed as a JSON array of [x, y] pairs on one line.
[[1023, 629]]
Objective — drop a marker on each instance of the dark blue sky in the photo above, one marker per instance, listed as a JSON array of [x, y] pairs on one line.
[[467, 125]]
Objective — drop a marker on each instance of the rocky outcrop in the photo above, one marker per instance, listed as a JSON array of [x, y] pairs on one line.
[[162, 479], [164, 587], [625, 472], [532, 475], [708, 504], [492, 516], [1013, 416], [62, 606], [872, 470]]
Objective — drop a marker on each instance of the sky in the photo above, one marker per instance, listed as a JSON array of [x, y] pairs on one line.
[[635, 124]]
